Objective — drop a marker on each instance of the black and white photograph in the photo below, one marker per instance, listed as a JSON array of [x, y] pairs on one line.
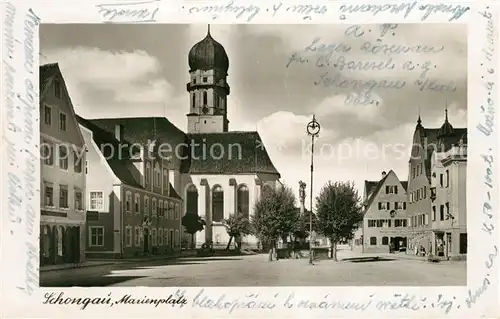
[[226, 155]]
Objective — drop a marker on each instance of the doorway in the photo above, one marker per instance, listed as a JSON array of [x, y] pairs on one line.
[[146, 240]]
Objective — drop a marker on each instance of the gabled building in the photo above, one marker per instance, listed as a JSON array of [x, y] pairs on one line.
[[62, 189], [133, 208], [385, 218], [430, 146]]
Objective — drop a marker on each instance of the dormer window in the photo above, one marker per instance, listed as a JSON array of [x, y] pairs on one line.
[[205, 79]]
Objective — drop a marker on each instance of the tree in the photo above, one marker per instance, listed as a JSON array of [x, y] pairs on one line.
[[237, 225], [193, 224], [339, 212], [275, 215]]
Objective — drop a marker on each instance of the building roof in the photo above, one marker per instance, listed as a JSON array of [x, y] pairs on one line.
[[121, 167], [232, 153], [46, 74], [200, 153]]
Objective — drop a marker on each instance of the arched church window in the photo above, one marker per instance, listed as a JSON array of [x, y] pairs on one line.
[[217, 204], [194, 99], [243, 200], [205, 97], [192, 200]]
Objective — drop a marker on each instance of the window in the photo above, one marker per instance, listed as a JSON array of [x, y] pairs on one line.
[[398, 205], [425, 192], [137, 199], [171, 240], [243, 201], [204, 79], [165, 234], [63, 157], [153, 234], [137, 237], [47, 153], [128, 236], [447, 178], [177, 238], [171, 212], [165, 179], [146, 205], [192, 200], [62, 122], [49, 195], [160, 208], [194, 97], [86, 167], [448, 215], [217, 204], [383, 205], [77, 163], [205, 98], [147, 174], [391, 189], [160, 237], [63, 196], [413, 172], [441, 212], [78, 200], [96, 201], [157, 176], [177, 211], [96, 236], [371, 223], [433, 213], [128, 202], [47, 115], [380, 222], [404, 205], [57, 89], [153, 207], [385, 240], [373, 241], [441, 180]]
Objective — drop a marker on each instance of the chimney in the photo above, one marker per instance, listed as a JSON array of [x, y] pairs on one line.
[[119, 132], [383, 174]]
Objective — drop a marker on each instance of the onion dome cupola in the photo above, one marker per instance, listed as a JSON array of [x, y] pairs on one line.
[[208, 54], [445, 129]]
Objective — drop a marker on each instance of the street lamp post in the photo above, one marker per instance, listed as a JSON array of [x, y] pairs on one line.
[[313, 129]]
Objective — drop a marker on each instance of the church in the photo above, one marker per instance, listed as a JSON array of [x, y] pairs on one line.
[[215, 171]]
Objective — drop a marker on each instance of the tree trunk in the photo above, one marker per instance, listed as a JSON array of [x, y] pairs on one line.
[[237, 241], [193, 244], [334, 250], [271, 250], [229, 242]]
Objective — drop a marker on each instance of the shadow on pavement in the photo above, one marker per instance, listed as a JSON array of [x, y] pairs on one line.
[[98, 281], [367, 259]]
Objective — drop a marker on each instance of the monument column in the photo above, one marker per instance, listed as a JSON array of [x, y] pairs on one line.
[[302, 197]]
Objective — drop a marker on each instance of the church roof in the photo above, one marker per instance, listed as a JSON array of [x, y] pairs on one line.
[[243, 152], [208, 54]]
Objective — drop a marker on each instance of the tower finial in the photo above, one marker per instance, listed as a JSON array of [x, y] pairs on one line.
[[208, 33], [419, 121], [446, 112]]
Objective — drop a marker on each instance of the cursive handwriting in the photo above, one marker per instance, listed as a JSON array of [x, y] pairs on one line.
[[249, 12], [230, 304], [406, 8], [129, 12]]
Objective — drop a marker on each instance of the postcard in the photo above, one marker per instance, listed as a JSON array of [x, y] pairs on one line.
[[250, 159]]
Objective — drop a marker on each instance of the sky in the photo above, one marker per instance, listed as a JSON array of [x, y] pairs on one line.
[[142, 70]]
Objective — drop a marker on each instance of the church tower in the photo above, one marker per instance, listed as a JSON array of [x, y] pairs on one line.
[[208, 88]]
